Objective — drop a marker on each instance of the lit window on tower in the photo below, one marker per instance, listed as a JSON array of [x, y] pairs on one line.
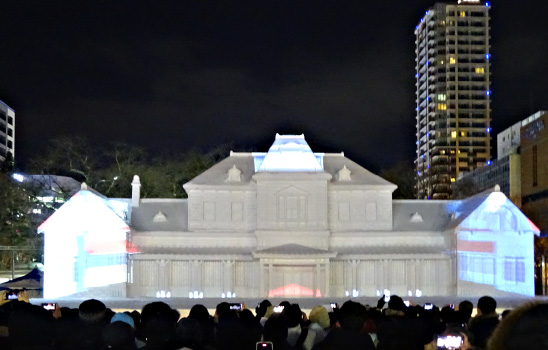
[[462, 133], [463, 14], [452, 60], [480, 70], [442, 106], [442, 97], [454, 136], [452, 179]]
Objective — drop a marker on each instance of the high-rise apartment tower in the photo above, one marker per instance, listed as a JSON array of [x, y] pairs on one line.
[[453, 95], [7, 131]]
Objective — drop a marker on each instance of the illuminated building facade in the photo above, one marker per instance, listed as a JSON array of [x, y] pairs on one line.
[[534, 172], [505, 171], [287, 223], [452, 95], [7, 131]]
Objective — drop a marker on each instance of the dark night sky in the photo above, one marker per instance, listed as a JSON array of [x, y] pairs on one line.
[[182, 74]]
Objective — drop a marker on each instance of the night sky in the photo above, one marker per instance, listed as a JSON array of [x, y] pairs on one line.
[[184, 74]]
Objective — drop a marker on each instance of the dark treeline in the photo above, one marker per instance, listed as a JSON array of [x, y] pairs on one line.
[[109, 169]]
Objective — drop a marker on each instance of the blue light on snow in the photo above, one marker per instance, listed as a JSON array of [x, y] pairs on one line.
[[417, 75], [418, 172], [422, 20]]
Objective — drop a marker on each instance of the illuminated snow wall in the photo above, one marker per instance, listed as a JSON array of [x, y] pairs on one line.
[[84, 249], [495, 249]]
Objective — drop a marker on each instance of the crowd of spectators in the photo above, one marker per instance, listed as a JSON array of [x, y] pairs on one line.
[[386, 326]]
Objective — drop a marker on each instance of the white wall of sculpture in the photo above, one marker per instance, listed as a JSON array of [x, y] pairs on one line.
[[289, 223]]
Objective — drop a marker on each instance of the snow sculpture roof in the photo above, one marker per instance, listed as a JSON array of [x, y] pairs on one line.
[[291, 149], [84, 211], [434, 213], [486, 211], [489, 210], [145, 218], [289, 153]]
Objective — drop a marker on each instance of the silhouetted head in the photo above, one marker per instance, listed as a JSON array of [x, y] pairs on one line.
[[285, 303], [158, 308], [92, 311], [522, 329], [487, 305], [275, 329], [260, 310], [158, 321], [448, 315], [352, 316], [223, 311], [396, 303], [199, 313], [246, 316], [466, 308], [293, 314], [319, 315], [190, 332], [119, 335], [123, 317]]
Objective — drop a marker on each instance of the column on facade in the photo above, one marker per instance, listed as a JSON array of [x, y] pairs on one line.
[[386, 274], [270, 277], [380, 275], [129, 262], [162, 274], [228, 276], [196, 275], [411, 278], [261, 279], [418, 279], [354, 264], [327, 281], [316, 279]]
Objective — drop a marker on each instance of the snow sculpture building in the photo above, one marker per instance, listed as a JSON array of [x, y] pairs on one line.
[[288, 223]]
